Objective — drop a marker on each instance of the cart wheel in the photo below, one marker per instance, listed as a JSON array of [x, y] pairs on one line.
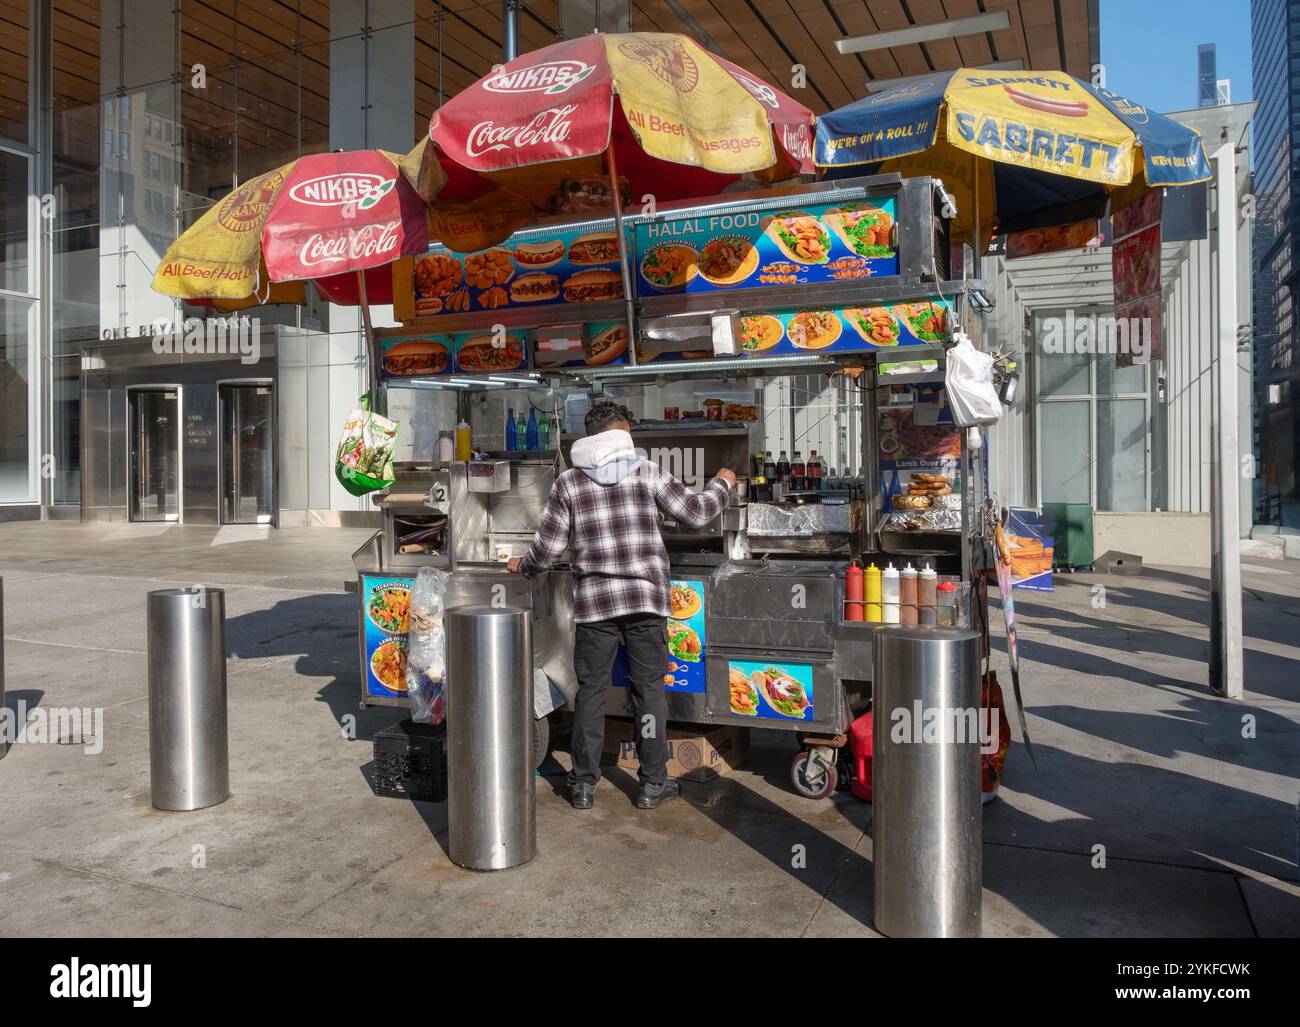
[[541, 740], [818, 789]]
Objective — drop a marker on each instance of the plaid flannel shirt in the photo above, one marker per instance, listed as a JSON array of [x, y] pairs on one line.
[[620, 565]]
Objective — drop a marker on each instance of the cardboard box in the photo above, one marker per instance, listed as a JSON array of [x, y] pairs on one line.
[[696, 752]]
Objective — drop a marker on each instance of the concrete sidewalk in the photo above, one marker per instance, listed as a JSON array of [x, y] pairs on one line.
[[1189, 800]]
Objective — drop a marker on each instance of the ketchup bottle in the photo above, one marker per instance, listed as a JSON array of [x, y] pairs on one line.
[[853, 592]]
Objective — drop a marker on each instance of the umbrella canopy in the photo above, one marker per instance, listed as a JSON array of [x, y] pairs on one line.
[[326, 217], [1043, 148], [687, 123]]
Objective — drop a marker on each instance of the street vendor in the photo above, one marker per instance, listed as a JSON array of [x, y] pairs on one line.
[[605, 511]]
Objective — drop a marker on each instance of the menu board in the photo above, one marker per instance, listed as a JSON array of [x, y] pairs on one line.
[[790, 246], [923, 323], [426, 355], [771, 690], [533, 269], [908, 442], [385, 615], [686, 639]]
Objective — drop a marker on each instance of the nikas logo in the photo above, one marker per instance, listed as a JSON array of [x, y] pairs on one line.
[[549, 77], [364, 190], [761, 91]]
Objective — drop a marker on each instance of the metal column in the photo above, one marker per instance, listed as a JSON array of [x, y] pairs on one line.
[[4, 743], [491, 796], [510, 26], [1225, 504], [189, 757], [926, 826]]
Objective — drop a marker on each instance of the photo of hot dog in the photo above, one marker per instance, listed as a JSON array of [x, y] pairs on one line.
[[1048, 105], [539, 254], [608, 345], [414, 358], [534, 288]]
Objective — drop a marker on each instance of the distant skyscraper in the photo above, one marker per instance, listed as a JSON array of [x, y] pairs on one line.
[[1207, 76], [1275, 60]]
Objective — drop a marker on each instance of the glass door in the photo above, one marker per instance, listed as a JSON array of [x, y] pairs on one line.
[[247, 453], [154, 453]]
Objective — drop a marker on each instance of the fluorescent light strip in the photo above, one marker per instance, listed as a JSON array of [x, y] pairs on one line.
[[521, 381], [951, 29], [879, 85], [677, 367]]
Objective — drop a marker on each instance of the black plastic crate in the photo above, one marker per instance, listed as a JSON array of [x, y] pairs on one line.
[[411, 761]]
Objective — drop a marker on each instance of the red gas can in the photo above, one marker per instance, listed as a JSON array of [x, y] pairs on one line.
[[860, 747]]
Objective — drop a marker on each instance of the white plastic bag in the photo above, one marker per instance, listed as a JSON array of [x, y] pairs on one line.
[[426, 661], [972, 396]]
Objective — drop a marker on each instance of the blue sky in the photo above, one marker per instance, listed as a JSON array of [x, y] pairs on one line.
[[1149, 48]]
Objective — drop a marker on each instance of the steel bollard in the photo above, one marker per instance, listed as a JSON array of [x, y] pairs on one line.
[[926, 824], [491, 797], [4, 740], [189, 758]]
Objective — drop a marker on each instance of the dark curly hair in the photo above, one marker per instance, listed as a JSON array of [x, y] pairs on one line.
[[604, 415]]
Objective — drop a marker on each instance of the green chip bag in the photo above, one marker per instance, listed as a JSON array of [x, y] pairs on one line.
[[364, 462]]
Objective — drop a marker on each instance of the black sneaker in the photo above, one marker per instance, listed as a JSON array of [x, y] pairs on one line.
[[652, 796], [581, 796]]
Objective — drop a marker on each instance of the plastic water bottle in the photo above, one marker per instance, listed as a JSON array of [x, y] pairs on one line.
[[511, 437]]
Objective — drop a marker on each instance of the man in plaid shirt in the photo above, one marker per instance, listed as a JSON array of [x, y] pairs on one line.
[[605, 511]]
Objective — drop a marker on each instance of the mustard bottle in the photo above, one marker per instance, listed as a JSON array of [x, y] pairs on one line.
[[871, 592]]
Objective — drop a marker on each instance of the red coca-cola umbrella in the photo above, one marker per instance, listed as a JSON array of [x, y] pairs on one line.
[[686, 123], [337, 219], [547, 127]]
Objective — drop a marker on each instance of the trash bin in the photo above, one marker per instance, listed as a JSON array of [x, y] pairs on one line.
[[491, 803], [925, 820], [189, 759]]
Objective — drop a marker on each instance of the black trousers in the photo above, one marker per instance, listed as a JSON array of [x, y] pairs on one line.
[[646, 637]]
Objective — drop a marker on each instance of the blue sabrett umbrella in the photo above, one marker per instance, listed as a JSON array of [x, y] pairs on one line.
[[1018, 150]]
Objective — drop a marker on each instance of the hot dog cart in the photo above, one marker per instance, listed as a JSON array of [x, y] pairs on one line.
[[846, 282]]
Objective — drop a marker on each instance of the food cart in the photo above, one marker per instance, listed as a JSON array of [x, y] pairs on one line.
[[846, 281]]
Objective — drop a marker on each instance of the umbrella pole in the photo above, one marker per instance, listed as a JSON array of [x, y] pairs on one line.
[[624, 264], [378, 401], [968, 316]]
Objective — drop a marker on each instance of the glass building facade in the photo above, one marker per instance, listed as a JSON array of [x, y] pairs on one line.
[[1276, 145], [122, 121]]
